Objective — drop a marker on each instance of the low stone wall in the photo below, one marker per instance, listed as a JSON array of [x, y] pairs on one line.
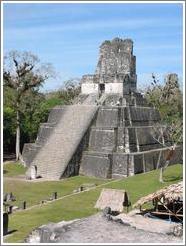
[[142, 116], [118, 165], [97, 165]]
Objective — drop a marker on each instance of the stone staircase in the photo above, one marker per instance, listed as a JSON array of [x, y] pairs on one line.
[[58, 149], [91, 99]]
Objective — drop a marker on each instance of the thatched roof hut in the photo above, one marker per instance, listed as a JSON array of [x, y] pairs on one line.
[[169, 194]]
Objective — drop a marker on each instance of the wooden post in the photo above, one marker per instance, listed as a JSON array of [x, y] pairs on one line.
[[156, 204], [10, 209], [5, 223], [24, 205], [54, 196]]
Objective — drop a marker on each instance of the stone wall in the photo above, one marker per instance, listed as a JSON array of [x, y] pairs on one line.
[[96, 165], [118, 165], [122, 142], [88, 88], [116, 68], [116, 57]]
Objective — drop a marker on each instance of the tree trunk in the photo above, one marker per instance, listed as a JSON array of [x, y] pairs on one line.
[[162, 169], [159, 158], [161, 175], [18, 136]]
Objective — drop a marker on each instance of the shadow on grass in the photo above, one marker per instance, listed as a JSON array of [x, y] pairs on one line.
[[10, 232], [172, 178]]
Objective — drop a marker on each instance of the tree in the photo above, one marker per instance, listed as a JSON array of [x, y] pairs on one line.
[[167, 136], [23, 73], [65, 94], [167, 99], [70, 90]]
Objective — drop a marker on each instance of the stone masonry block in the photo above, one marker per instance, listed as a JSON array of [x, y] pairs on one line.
[[96, 166], [102, 139]]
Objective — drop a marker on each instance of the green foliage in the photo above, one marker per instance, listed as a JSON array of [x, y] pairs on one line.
[[167, 98], [82, 204], [66, 94], [34, 110], [9, 120], [9, 127], [22, 77], [30, 104]]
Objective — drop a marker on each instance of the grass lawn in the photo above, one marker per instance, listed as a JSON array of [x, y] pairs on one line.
[[13, 169], [82, 204], [34, 192]]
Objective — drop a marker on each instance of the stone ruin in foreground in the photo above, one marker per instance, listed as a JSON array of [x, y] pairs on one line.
[[107, 132]]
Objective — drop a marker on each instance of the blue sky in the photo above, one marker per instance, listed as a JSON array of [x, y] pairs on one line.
[[69, 35]]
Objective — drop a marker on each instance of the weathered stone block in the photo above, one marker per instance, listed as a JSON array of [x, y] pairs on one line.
[[114, 88], [56, 113], [88, 88], [143, 116], [102, 139], [120, 164], [138, 163], [107, 117], [97, 166], [29, 152], [44, 133], [111, 198]]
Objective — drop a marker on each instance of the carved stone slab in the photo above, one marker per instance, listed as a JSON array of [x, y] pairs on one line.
[[111, 198]]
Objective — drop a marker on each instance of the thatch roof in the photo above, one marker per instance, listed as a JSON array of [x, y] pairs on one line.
[[169, 194]]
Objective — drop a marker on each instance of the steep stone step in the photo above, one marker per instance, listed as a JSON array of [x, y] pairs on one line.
[[29, 152], [91, 99], [53, 158], [44, 132], [80, 99]]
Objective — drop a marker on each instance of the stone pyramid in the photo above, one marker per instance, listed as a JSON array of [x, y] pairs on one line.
[[109, 130]]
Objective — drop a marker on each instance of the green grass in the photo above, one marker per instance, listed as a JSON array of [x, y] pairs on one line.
[[77, 206], [146, 183], [82, 204], [13, 169], [34, 192]]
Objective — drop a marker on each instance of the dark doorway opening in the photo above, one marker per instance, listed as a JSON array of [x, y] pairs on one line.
[[102, 88]]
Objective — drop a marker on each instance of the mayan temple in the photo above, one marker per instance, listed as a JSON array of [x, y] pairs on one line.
[[107, 132]]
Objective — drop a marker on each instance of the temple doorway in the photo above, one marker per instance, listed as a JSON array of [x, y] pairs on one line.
[[102, 88]]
